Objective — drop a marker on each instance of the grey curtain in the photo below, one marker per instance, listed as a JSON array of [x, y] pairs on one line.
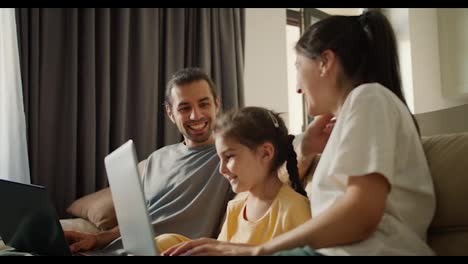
[[94, 78]]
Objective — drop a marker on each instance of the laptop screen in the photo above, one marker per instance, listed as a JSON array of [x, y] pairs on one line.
[[28, 221], [129, 201]]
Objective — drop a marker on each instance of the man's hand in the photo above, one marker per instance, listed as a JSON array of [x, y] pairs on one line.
[[316, 135], [79, 241]]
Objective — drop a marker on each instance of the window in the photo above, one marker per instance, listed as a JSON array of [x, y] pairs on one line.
[[295, 100], [296, 19]]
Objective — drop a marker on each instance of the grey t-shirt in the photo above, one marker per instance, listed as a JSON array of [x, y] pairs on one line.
[[185, 192]]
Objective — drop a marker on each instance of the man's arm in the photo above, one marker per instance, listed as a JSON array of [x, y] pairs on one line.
[[105, 237], [306, 163], [309, 145], [80, 241]]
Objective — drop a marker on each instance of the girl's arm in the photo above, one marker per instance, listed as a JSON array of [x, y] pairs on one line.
[[86, 241], [306, 165]]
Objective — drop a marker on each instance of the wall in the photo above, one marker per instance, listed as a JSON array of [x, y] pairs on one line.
[[265, 59], [433, 50], [453, 46], [427, 78], [417, 32]]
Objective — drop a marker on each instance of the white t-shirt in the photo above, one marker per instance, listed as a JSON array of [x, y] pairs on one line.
[[374, 132]]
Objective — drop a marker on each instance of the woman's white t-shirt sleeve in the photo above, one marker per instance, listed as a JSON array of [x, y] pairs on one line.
[[367, 138]]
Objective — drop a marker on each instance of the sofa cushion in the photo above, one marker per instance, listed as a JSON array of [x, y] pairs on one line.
[[97, 207], [449, 242], [447, 156]]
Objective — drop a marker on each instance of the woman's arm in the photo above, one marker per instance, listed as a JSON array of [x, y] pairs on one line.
[[351, 219], [312, 144]]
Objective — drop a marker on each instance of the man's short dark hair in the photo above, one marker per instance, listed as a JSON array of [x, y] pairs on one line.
[[186, 76]]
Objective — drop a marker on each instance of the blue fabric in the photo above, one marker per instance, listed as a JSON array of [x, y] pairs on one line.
[[299, 251]]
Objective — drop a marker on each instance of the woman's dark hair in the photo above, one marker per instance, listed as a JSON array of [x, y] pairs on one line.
[[365, 45], [253, 126]]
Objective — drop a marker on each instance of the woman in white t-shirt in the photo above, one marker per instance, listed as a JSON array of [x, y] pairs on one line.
[[371, 193]]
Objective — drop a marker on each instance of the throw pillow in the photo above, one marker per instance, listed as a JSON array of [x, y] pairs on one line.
[[97, 207]]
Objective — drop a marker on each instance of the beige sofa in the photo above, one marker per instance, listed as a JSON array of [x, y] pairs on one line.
[[448, 160]]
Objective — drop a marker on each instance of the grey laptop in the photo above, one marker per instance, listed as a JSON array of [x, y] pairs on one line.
[[129, 201]]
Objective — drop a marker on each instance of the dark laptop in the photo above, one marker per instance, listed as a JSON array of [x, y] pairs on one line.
[[28, 221]]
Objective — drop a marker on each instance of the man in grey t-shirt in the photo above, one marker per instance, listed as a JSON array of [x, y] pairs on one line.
[[183, 188]]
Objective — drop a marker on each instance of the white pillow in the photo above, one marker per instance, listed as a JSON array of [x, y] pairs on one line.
[[78, 224]]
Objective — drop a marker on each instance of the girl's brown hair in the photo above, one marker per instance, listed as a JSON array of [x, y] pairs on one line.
[[253, 126]]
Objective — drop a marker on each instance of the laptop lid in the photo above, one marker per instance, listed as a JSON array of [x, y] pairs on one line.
[[129, 201], [28, 221]]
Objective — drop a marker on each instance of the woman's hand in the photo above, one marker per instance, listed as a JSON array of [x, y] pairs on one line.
[[211, 247], [316, 135]]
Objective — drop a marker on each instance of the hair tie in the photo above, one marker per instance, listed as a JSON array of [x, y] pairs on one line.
[[363, 19]]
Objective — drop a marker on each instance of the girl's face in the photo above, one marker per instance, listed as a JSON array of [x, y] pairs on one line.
[[315, 80], [241, 166]]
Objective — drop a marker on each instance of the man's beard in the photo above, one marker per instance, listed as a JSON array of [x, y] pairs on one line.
[[201, 138]]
